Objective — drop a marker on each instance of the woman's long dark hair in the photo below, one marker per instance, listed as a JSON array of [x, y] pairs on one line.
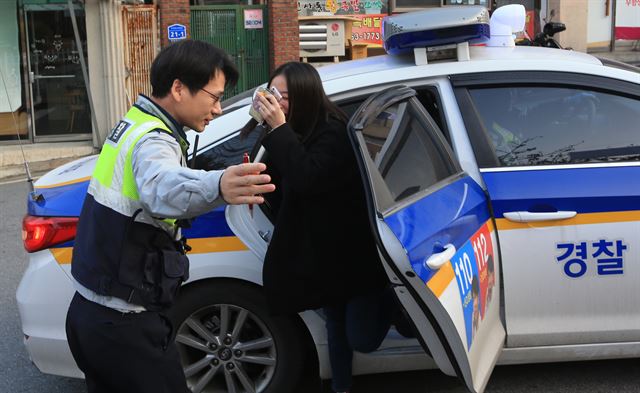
[[308, 103]]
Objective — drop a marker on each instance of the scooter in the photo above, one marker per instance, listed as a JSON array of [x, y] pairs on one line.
[[545, 37]]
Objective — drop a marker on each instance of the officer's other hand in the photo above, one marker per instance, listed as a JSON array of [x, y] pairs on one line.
[[242, 184]]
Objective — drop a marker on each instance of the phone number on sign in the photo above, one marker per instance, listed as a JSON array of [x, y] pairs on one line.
[[365, 36]]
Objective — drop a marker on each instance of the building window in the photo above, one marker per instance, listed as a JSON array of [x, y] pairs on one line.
[[13, 112]]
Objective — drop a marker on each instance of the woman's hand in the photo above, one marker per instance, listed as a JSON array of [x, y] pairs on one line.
[[271, 111]]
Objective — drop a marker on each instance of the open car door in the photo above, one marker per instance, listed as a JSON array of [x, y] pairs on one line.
[[435, 234]]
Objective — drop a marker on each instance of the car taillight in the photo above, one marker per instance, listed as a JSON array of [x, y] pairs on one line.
[[39, 233]]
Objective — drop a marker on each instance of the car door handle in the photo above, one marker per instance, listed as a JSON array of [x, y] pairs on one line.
[[524, 216], [436, 261]]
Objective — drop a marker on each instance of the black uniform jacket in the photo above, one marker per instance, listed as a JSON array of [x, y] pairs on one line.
[[322, 251]]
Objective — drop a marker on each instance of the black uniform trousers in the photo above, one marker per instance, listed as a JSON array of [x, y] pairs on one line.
[[123, 352]]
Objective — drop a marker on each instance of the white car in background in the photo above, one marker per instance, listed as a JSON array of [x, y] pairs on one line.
[[503, 192]]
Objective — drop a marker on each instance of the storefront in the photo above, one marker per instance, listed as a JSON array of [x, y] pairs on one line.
[[44, 97], [368, 14]]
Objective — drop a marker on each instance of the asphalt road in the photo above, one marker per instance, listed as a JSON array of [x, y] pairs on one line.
[[17, 374]]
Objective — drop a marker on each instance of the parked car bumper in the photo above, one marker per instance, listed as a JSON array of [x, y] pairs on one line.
[[43, 297]]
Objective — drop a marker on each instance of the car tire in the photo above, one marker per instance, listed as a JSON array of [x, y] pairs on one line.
[[225, 336]]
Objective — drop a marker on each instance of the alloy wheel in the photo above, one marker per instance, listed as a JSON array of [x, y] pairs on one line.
[[226, 348]]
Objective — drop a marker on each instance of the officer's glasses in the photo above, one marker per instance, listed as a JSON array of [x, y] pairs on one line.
[[215, 97]]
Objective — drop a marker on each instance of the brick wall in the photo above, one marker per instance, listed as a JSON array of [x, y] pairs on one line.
[[173, 11], [283, 32], [283, 27]]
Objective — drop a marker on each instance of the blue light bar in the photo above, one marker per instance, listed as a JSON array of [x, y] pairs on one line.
[[434, 27], [404, 43]]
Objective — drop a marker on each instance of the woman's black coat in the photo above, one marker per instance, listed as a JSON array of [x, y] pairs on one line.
[[322, 251]]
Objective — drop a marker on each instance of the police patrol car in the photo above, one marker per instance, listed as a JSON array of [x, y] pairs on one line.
[[503, 192]]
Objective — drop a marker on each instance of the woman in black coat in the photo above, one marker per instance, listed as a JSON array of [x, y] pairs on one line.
[[322, 253]]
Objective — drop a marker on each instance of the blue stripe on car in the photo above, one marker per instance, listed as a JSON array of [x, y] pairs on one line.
[[450, 215], [585, 190], [66, 201]]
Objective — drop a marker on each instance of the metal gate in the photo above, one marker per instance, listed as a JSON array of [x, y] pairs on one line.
[[140, 25], [225, 27]]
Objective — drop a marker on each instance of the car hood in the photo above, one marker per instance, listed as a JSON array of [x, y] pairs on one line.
[[62, 189]]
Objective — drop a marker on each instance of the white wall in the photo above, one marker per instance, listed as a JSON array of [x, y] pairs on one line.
[[598, 24], [106, 64], [573, 13], [628, 18], [9, 57]]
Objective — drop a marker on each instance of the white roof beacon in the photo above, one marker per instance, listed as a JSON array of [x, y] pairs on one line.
[[438, 32], [505, 22]]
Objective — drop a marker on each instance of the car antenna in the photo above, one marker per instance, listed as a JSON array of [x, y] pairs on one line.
[[195, 151], [34, 196]]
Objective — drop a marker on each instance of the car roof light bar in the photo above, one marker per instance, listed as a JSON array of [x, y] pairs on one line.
[[447, 32], [432, 33]]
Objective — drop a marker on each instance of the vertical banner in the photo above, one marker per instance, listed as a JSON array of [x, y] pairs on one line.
[[466, 271], [483, 252], [9, 58], [628, 20], [473, 266], [530, 23]]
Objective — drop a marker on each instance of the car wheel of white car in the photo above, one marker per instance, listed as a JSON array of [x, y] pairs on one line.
[[228, 342]]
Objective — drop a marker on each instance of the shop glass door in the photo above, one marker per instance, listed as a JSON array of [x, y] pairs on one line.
[[59, 103]]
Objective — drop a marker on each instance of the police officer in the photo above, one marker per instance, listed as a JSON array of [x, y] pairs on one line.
[[128, 260]]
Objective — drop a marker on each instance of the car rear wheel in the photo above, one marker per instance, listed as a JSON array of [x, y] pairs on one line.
[[228, 342]]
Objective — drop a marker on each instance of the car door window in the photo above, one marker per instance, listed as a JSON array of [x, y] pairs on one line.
[[537, 125], [430, 100], [401, 143]]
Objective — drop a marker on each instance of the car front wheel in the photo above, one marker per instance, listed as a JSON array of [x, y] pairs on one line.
[[228, 342]]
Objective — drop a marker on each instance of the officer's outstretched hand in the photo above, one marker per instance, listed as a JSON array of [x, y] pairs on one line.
[[243, 183]]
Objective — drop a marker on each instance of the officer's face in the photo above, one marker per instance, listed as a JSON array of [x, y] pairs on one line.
[[198, 109]]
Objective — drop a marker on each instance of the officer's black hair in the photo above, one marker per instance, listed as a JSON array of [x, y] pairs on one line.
[[192, 62]]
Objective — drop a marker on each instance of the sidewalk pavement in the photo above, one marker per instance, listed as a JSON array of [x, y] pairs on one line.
[[628, 55], [41, 157]]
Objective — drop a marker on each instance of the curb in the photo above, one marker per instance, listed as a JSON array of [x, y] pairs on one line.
[[41, 157]]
